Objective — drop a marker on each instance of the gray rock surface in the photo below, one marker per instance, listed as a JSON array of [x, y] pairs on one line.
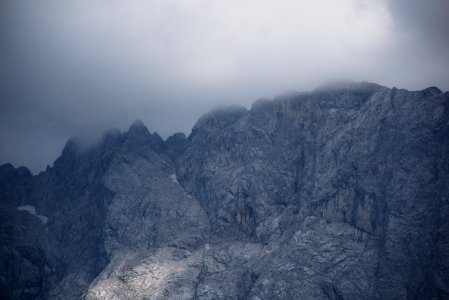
[[340, 193]]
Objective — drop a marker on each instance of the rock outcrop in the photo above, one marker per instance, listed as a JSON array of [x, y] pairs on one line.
[[340, 193]]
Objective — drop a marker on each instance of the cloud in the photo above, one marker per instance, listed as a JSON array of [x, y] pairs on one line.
[[78, 67], [428, 20]]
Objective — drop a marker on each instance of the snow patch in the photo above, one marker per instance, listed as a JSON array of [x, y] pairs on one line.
[[32, 210], [173, 177]]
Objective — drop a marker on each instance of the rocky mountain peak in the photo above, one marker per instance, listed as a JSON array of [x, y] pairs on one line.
[[219, 118], [431, 91], [339, 193], [138, 131], [6, 168], [348, 85]]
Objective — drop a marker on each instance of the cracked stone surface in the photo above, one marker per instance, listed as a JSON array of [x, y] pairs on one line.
[[339, 193]]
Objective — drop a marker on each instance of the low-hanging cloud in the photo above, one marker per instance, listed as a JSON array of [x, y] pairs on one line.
[[81, 67]]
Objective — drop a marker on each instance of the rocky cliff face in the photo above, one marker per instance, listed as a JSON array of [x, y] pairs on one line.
[[341, 193]]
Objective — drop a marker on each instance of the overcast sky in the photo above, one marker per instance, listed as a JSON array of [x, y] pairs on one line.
[[80, 67]]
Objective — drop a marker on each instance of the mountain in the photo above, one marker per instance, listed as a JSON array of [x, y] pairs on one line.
[[339, 193]]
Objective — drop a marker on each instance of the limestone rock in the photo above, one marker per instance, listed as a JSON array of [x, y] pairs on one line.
[[339, 193]]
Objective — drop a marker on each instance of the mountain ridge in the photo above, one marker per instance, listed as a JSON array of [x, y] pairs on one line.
[[339, 193]]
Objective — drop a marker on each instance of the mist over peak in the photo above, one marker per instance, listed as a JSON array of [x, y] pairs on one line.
[[340, 183], [78, 68]]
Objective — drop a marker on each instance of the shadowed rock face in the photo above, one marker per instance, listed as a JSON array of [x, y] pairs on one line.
[[341, 193]]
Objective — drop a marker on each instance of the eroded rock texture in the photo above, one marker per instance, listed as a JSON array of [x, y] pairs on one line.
[[341, 193]]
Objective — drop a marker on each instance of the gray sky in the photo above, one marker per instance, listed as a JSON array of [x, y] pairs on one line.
[[79, 67]]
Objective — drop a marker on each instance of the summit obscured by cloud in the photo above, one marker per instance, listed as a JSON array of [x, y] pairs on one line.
[[82, 67]]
